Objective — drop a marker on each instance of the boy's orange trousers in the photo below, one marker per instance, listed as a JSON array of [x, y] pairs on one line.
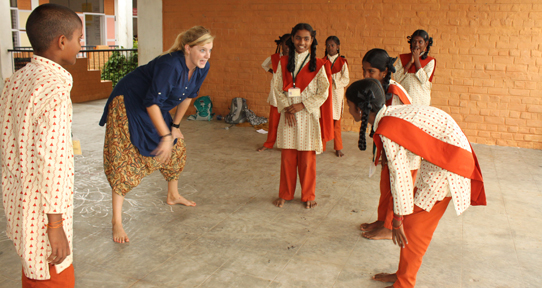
[[419, 228], [66, 279], [337, 136], [293, 161], [274, 118]]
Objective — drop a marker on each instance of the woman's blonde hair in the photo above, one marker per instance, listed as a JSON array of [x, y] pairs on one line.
[[197, 35]]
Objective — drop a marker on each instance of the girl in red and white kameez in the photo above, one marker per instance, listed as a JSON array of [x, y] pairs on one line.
[[270, 65], [415, 70], [302, 85], [449, 170], [340, 79]]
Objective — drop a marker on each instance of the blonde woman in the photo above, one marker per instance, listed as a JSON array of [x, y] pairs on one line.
[[141, 136]]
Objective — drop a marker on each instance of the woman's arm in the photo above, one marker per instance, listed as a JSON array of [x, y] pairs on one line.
[[179, 114], [163, 151]]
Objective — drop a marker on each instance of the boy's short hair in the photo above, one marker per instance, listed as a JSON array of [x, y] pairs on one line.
[[49, 21]]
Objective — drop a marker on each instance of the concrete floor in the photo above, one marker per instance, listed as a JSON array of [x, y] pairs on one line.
[[235, 237]]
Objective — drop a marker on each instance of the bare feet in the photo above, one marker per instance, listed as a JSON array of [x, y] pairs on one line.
[[279, 202], [339, 153], [119, 236], [385, 277], [171, 200], [310, 204], [381, 233], [263, 148], [371, 226]]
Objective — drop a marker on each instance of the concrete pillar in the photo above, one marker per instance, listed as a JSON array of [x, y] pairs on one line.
[[34, 4], [149, 26], [124, 23], [6, 42]]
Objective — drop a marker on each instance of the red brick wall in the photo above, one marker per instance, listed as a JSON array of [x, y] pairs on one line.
[[24, 4], [489, 58]]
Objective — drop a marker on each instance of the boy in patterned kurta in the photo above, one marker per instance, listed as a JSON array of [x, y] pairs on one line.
[[37, 152], [449, 170]]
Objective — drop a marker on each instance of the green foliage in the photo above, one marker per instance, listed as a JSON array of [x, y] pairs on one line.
[[119, 65]]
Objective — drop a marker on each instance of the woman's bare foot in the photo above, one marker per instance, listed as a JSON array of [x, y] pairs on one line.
[[381, 233], [279, 202], [119, 236], [179, 200], [263, 148], [385, 277], [371, 226], [339, 153], [310, 204]]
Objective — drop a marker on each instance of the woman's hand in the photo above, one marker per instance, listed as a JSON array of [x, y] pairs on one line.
[[398, 234], [290, 119], [176, 133], [162, 153]]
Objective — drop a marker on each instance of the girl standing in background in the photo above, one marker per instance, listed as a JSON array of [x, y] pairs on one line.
[[340, 78], [415, 70], [270, 65]]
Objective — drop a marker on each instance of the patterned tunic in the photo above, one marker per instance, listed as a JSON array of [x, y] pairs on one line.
[[413, 159], [417, 84], [37, 160], [306, 134], [433, 183], [340, 80], [268, 65]]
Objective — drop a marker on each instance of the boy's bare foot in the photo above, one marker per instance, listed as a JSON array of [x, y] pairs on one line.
[[179, 200], [310, 204], [263, 148], [119, 236], [371, 226], [385, 277], [279, 202], [381, 233], [339, 153]]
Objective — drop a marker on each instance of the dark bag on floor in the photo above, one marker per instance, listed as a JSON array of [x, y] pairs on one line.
[[237, 111]]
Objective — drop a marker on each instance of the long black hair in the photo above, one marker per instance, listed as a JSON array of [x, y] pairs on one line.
[[281, 40], [425, 37], [336, 40], [290, 43], [379, 59], [369, 96]]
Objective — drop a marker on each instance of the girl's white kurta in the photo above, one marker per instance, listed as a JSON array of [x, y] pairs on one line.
[[306, 134]]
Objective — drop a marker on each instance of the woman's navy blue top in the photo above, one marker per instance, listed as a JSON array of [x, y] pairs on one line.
[[163, 82]]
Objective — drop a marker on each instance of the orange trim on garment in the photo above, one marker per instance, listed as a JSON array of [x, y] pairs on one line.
[[275, 59], [339, 63], [396, 90], [437, 152], [303, 79], [405, 58]]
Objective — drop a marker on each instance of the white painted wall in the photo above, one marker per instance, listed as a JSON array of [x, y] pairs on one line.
[[5, 42], [124, 23], [149, 25]]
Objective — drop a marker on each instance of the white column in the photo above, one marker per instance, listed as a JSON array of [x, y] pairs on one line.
[[124, 23], [6, 42], [149, 28], [34, 4]]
